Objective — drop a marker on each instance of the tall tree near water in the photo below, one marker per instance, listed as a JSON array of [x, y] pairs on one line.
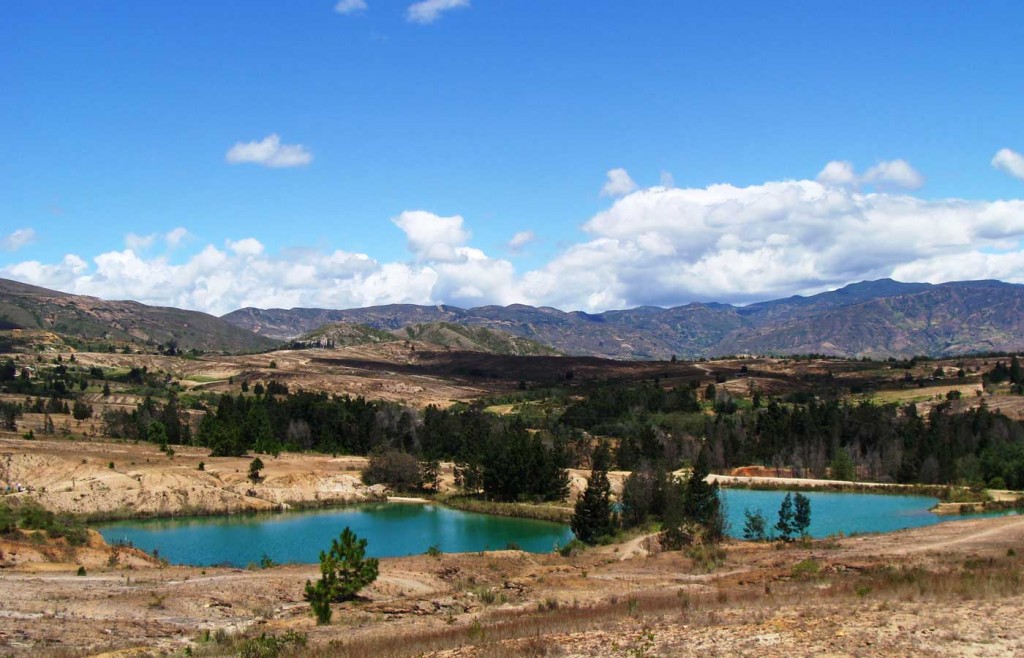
[[702, 504], [593, 518]]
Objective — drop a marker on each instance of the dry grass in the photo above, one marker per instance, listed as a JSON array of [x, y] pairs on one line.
[[541, 631]]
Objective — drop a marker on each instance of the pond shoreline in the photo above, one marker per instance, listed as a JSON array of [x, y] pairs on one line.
[[759, 483]]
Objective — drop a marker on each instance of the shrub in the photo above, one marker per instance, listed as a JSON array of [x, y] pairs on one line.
[[398, 470], [754, 525], [255, 466], [271, 646]]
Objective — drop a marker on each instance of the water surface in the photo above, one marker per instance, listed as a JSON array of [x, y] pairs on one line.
[[832, 512], [407, 529], [391, 530]]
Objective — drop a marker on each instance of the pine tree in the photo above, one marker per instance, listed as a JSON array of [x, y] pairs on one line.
[[255, 466], [802, 514], [592, 518], [785, 525], [754, 525], [344, 571], [702, 504]]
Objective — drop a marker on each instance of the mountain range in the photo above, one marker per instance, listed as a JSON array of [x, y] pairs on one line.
[[873, 318]]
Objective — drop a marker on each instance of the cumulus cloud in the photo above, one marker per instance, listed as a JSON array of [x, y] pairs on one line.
[[350, 6], [269, 152], [520, 240], [618, 183], [17, 239], [886, 175], [839, 173], [894, 174], [667, 180], [246, 247], [428, 11], [660, 245], [431, 237], [1009, 162]]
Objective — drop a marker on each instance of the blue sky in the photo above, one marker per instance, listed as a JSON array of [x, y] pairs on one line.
[[415, 140]]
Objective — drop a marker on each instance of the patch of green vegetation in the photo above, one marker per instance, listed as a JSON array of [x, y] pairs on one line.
[[30, 515], [809, 568]]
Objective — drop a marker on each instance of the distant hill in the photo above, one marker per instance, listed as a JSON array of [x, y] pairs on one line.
[[474, 339], [872, 318], [87, 318], [344, 334]]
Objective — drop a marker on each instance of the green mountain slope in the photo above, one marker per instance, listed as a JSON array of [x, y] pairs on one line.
[[87, 318], [476, 339], [343, 334]]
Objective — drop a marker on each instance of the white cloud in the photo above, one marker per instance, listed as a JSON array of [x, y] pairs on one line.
[[431, 237], [246, 247], [1009, 162], [896, 174], [269, 152], [176, 236], [173, 239], [667, 180], [839, 173], [662, 246], [17, 239], [520, 240], [618, 183], [350, 6], [428, 11], [886, 175], [139, 242]]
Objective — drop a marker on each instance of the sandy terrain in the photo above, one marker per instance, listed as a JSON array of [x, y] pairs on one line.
[[128, 479]]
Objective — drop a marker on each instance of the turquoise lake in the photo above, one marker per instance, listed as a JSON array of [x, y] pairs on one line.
[[391, 530], [407, 529]]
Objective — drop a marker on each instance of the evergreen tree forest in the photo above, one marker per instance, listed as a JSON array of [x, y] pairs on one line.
[[650, 429]]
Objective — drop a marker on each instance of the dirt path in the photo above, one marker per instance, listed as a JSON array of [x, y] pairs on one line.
[[986, 534]]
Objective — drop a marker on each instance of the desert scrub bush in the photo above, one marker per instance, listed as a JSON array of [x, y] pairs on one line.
[[706, 557], [809, 568], [488, 596], [571, 549], [271, 646], [30, 515]]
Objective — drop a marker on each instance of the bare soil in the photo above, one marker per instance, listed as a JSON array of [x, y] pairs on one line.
[[951, 589], [129, 480]]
